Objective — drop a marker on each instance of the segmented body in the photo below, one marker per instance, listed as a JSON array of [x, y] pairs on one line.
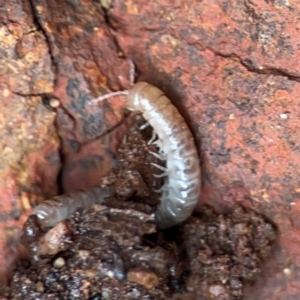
[[59, 208], [182, 186]]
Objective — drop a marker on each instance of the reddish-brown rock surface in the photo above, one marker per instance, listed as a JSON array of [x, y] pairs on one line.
[[29, 157], [231, 67]]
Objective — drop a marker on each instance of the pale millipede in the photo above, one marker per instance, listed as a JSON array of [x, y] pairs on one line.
[[61, 207], [182, 183], [182, 186]]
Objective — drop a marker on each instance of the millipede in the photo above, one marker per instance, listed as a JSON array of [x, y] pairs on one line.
[[182, 177]]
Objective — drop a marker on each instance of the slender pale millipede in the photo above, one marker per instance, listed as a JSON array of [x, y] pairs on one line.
[[59, 208], [182, 182]]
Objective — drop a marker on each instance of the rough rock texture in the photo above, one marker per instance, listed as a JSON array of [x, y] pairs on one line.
[[29, 157], [87, 63], [231, 67]]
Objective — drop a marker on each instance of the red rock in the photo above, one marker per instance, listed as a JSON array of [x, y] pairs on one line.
[[29, 157], [88, 64], [232, 69]]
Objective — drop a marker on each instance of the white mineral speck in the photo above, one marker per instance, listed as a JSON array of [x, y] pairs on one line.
[[283, 116]]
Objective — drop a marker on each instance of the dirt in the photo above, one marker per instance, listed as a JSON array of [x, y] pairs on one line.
[[226, 251], [106, 248], [114, 251]]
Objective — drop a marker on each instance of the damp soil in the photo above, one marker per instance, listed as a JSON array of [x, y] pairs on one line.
[[114, 251]]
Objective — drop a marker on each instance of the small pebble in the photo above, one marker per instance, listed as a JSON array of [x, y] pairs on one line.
[[51, 243], [235, 284], [40, 287], [241, 228], [89, 273], [84, 254], [287, 271], [283, 116], [54, 103], [217, 290], [59, 263], [143, 277]]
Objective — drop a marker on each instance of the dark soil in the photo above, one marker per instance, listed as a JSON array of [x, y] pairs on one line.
[[115, 252], [225, 252]]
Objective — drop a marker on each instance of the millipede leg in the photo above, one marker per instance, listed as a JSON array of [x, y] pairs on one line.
[[157, 155], [159, 167], [160, 175], [142, 127], [153, 138], [107, 96], [165, 173], [159, 190]]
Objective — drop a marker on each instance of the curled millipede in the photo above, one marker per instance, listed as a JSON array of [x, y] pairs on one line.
[[181, 190], [59, 208], [182, 184]]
